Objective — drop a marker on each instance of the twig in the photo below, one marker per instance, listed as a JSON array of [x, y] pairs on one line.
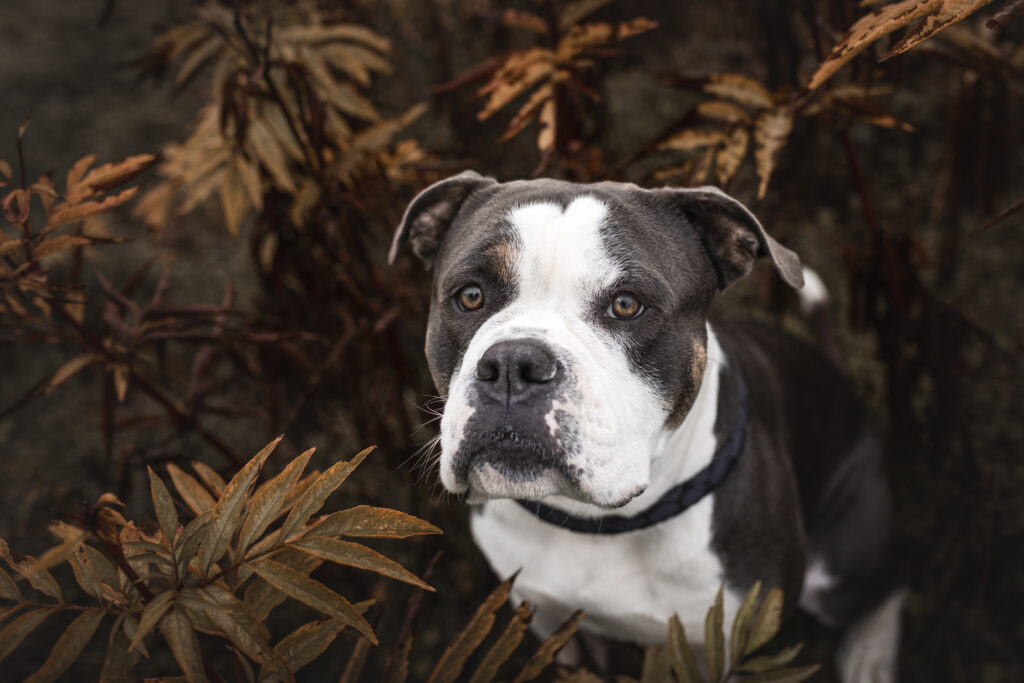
[[1016, 206]]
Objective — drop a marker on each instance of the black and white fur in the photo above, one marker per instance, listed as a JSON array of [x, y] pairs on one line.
[[550, 398]]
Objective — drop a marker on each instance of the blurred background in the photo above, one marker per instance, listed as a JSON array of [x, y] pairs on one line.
[[241, 291]]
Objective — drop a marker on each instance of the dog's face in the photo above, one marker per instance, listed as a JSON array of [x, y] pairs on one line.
[[567, 326]]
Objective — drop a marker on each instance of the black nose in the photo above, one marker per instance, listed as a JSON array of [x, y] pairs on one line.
[[512, 371]]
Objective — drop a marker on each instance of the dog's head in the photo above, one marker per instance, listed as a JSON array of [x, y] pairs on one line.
[[567, 325]]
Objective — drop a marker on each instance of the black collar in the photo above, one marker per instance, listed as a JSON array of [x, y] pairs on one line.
[[676, 499]]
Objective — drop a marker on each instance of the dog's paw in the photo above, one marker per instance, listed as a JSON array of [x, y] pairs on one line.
[[869, 651]]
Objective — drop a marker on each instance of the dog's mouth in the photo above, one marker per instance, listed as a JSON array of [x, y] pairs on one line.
[[505, 462]]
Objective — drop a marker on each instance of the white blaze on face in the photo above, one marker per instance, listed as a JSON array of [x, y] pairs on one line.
[[563, 273]]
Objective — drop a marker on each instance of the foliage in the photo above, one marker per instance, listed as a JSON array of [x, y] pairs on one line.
[[220, 573], [745, 109], [286, 112], [550, 75], [45, 301], [752, 628], [310, 137]]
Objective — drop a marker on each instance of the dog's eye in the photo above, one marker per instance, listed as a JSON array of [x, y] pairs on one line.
[[624, 307], [470, 298]]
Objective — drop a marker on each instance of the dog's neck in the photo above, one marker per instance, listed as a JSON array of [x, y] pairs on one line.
[[680, 454]]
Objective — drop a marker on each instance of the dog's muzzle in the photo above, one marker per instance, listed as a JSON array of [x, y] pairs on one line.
[[515, 443]]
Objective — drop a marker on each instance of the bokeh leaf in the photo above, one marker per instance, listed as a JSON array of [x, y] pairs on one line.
[[714, 638], [69, 646]]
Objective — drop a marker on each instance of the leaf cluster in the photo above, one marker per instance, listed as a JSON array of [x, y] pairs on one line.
[[756, 623], [546, 76], [287, 112], [212, 575], [466, 645], [717, 134]]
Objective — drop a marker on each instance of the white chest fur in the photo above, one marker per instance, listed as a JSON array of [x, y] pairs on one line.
[[629, 584]]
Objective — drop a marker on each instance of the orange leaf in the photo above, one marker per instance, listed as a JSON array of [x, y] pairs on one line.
[[70, 213]]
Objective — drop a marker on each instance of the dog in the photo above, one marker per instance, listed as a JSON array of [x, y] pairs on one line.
[[620, 452]]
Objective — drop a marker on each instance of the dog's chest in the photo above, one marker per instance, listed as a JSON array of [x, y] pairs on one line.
[[628, 584]]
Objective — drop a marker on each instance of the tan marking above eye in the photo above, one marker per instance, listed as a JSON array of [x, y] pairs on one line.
[[470, 298], [502, 256]]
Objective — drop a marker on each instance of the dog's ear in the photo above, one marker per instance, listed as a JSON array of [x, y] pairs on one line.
[[427, 219], [733, 237]]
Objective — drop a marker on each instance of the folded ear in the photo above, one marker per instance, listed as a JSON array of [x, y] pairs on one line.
[[733, 237], [431, 213]]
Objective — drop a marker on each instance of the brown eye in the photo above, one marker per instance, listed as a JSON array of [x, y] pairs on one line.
[[470, 298], [624, 307]]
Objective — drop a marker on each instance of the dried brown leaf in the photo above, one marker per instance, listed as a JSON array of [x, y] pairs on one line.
[[234, 618], [949, 12], [196, 497], [268, 501], [181, 636], [527, 112], [741, 624], [8, 588], [151, 616], [769, 662], [71, 540], [262, 597], [691, 139], [684, 663], [465, 642], [545, 654], [197, 57], [117, 665], [316, 495], [226, 515], [108, 176], [504, 646], [372, 522], [16, 206], [333, 32], [85, 575], [656, 667], [868, 29], [771, 131], [163, 504], [70, 213], [739, 89], [61, 243], [518, 73], [548, 120], [359, 556], [768, 621], [77, 172], [234, 203], [714, 638], [578, 10], [69, 646], [529, 21], [306, 643], [354, 667], [720, 110], [313, 593], [729, 157], [15, 632]]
